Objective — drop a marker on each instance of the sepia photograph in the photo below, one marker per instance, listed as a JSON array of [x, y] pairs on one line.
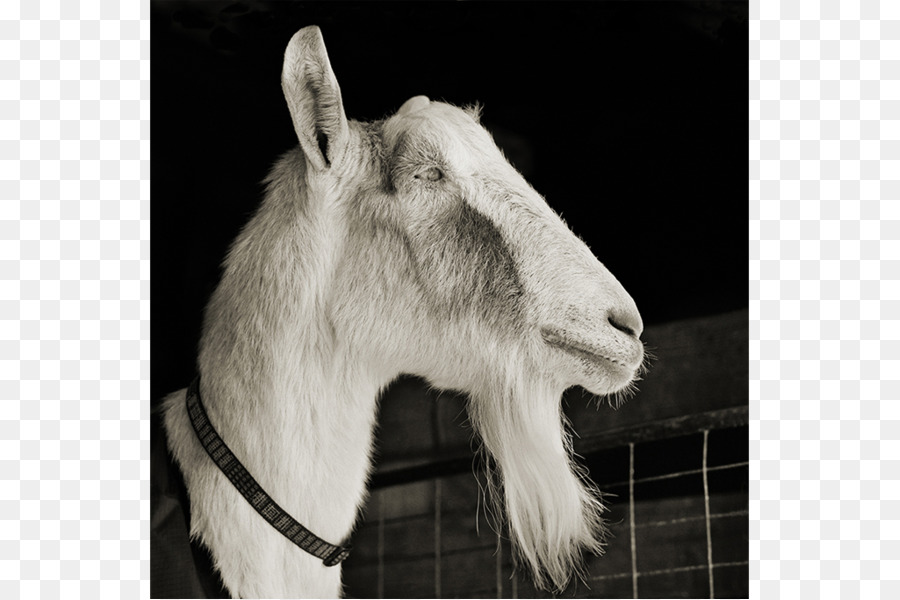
[[449, 299]]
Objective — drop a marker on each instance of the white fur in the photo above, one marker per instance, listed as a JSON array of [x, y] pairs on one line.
[[404, 246]]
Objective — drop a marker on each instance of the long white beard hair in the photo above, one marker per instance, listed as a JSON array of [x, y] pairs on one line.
[[552, 509]]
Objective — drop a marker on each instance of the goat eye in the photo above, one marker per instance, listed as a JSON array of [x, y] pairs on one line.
[[430, 174]]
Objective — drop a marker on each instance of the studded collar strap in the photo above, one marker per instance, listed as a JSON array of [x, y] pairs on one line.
[[268, 509]]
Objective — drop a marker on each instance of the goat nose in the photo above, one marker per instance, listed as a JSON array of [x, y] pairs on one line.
[[626, 321]]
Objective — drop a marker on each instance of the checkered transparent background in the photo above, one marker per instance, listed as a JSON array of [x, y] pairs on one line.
[[824, 235], [74, 299], [824, 291]]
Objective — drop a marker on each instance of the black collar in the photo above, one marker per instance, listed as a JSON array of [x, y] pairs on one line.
[[268, 509]]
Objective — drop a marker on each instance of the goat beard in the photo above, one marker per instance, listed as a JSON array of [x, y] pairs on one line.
[[552, 510]]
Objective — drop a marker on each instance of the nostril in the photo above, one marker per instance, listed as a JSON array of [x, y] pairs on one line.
[[626, 323], [620, 326]]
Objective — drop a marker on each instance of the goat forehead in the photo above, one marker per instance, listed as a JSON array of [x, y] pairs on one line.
[[440, 125]]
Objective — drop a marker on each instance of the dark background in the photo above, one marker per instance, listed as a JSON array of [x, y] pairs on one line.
[[629, 117]]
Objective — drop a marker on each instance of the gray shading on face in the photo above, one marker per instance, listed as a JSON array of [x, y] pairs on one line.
[[466, 265], [461, 260]]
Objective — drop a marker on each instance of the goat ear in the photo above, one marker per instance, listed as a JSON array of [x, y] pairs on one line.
[[314, 99]]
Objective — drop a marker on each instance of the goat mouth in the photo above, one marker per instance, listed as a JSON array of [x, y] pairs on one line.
[[582, 351]]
